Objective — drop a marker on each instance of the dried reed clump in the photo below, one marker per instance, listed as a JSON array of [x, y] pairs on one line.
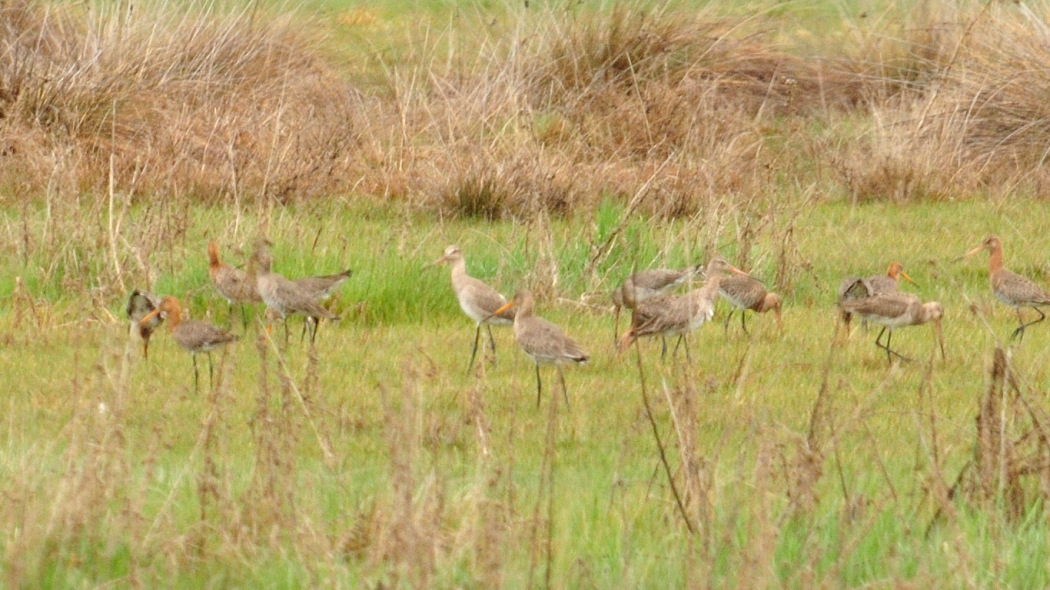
[[1009, 473], [168, 99], [981, 119]]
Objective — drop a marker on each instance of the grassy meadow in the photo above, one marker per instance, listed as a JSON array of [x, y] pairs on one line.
[[561, 147]]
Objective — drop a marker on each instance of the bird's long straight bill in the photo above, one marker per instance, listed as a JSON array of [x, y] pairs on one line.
[[498, 311], [145, 321], [940, 337], [907, 278], [972, 252]]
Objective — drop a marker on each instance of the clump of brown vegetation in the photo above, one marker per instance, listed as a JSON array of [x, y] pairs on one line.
[[167, 100]]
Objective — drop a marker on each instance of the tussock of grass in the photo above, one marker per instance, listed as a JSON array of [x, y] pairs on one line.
[[168, 99]]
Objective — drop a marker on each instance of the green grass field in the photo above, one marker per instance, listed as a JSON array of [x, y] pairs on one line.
[[561, 148], [381, 441]]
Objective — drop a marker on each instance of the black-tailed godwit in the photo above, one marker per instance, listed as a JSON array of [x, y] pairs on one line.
[[140, 305], [192, 335], [747, 293], [896, 310], [233, 284], [478, 301], [1011, 288], [544, 342], [669, 315]]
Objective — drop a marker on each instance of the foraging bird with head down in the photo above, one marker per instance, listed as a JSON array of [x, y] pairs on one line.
[[896, 310], [192, 335], [669, 315]]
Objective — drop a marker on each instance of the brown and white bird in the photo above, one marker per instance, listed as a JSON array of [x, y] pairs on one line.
[[544, 342], [896, 310], [478, 301], [669, 315], [861, 287], [748, 293], [1011, 288], [140, 305], [192, 335], [321, 288], [284, 297], [233, 284], [646, 284]]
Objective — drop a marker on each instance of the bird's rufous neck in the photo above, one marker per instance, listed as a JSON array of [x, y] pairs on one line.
[[995, 258]]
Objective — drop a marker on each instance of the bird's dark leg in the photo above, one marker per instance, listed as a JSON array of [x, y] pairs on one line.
[[229, 314], [196, 387], [1020, 330], [663, 351], [743, 322], [725, 324], [285, 331], [886, 347], [616, 325], [474, 351], [244, 317], [315, 324], [564, 390], [539, 385], [211, 372], [674, 355], [492, 341]]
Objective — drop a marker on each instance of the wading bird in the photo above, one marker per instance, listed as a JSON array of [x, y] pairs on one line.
[[192, 335], [1011, 288], [669, 315], [478, 301], [896, 310], [860, 287], [233, 284], [282, 296], [140, 305], [542, 341], [747, 293], [646, 284]]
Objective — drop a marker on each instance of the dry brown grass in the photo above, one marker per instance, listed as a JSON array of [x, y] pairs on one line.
[[168, 100]]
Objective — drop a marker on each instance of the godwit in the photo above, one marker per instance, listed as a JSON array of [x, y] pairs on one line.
[[233, 284], [859, 287], [895, 310], [140, 305], [747, 293], [646, 284], [321, 289], [282, 296], [193, 336], [1011, 288], [479, 301], [545, 343], [678, 314]]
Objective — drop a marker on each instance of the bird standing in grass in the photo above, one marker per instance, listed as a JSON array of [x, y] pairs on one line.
[[140, 305], [192, 335], [233, 284], [747, 293], [544, 342], [478, 301], [282, 296], [896, 310], [860, 288], [668, 315], [1011, 288], [646, 284]]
